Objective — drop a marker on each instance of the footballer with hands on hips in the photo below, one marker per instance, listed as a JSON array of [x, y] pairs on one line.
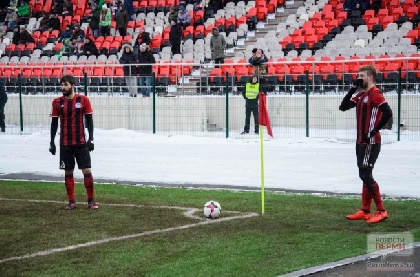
[[72, 109], [372, 114]]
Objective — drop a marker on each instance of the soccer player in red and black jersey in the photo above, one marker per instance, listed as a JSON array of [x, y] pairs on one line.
[[372, 113], [72, 109]]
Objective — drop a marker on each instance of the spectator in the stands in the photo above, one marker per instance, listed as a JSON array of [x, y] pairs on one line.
[[53, 23], [351, 5], [143, 37], [11, 19], [145, 60], [94, 17], [105, 21], [76, 47], [23, 13], [69, 7], [184, 17], [175, 37], [364, 5], [57, 7], [89, 48], [129, 59], [44, 23], [376, 5], [3, 13], [122, 21], [128, 5], [65, 49], [259, 62], [77, 32], [16, 35], [25, 36], [67, 33], [173, 13], [217, 47], [213, 5]]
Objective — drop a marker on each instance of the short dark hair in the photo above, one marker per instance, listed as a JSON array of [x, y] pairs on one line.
[[67, 79]]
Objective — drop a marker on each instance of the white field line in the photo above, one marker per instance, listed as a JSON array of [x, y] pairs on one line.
[[189, 212]]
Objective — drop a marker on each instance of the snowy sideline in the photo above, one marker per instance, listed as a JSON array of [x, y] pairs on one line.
[[306, 164]]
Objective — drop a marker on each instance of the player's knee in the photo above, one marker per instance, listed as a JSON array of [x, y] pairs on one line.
[[86, 171], [365, 174]]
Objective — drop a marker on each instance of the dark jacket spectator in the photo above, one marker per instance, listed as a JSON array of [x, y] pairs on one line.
[[69, 7], [175, 37], [122, 19], [351, 5], [93, 19], [77, 32], [143, 37], [3, 101], [44, 23], [53, 23], [25, 36], [89, 48], [16, 35], [145, 57], [128, 57], [66, 33], [259, 61], [57, 7]]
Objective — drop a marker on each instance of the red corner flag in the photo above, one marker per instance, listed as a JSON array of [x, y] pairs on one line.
[[263, 118]]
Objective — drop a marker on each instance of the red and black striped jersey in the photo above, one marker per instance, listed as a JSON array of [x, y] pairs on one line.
[[71, 113], [368, 113]]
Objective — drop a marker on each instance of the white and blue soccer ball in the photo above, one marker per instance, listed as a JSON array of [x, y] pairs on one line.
[[212, 209]]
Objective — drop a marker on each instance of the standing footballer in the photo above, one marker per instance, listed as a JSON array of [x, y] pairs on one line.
[[72, 108], [372, 113]]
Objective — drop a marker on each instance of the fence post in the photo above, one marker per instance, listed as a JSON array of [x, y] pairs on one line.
[[154, 104], [227, 106], [307, 101], [20, 102], [85, 82], [399, 105]]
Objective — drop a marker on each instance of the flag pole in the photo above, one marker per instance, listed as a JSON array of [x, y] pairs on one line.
[[262, 168]]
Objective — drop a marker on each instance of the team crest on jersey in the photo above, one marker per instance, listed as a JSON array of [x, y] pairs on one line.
[[365, 100], [62, 165], [78, 105]]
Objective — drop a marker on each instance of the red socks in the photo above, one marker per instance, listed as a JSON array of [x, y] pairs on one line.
[[69, 183], [366, 198], [372, 193], [88, 182], [376, 195]]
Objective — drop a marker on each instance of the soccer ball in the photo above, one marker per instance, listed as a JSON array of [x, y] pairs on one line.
[[212, 209]]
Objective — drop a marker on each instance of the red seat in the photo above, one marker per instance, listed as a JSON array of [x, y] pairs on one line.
[[386, 20], [396, 13], [394, 4], [368, 14], [382, 13], [407, 5], [315, 18], [371, 22], [262, 13], [341, 16], [413, 35], [411, 11]]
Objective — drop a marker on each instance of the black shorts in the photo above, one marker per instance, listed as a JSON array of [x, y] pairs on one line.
[[367, 154], [70, 154]]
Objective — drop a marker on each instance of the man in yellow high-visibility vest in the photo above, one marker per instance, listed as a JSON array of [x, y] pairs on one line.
[[250, 94]]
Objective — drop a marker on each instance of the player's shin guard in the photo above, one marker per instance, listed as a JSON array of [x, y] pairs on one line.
[[366, 199], [88, 182], [377, 198], [69, 183]]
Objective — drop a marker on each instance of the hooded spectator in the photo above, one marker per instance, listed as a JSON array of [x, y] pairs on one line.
[[25, 36], [128, 60], [23, 13], [184, 17]]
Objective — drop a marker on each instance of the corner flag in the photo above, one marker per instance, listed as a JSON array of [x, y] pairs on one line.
[[263, 118]]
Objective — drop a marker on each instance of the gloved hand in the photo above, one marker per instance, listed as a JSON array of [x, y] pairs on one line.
[[367, 136], [52, 149], [90, 145], [357, 83]]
